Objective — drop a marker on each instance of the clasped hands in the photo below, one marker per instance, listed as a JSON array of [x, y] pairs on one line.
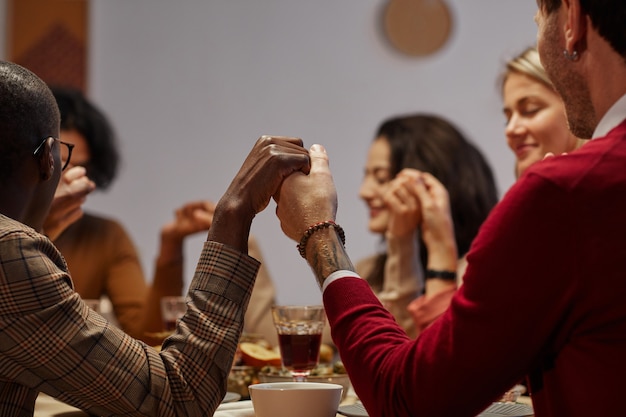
[[416, 199], [305, 199]]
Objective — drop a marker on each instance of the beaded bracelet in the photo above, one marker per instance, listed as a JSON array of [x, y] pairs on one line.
[[314, 228], [432, 273]]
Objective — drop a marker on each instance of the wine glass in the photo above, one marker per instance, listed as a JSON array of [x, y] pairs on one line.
[[299, 337], [172, 309], [93, 303]]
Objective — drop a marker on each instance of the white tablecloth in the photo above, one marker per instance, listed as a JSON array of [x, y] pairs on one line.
[[47, 406]]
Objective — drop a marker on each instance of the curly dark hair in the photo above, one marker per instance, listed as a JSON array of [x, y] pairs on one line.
[[28, 114], [431, 144], [80, 114]]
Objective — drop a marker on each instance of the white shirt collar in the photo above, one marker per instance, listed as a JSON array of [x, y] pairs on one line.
[[612, 118]]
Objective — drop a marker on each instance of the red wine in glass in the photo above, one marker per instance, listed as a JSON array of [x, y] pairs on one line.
[[299, 336], [170, 325], [300, 352]]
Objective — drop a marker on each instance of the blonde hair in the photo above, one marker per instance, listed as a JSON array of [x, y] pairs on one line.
[[527, 63]]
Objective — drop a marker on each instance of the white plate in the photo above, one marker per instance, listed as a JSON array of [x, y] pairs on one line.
[[507, 409], [231, 397], [353, 410], [494, 410]]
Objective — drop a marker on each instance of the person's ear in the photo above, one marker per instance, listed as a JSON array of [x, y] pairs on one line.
[[46, 160], [575, 27]]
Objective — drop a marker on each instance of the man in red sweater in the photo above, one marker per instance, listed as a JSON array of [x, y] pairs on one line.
[[544, 295]]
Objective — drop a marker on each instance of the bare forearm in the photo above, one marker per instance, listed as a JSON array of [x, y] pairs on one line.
[[442, 256], [231, 226], [326, 254]]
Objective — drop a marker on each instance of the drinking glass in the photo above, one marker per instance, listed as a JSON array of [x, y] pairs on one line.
[[172, 308], [93, 303], [299, 337]]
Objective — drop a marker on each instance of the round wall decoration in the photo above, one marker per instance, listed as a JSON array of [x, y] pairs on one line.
[[417, 27]]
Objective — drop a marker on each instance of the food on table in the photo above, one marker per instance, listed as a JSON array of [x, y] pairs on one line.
[[240, 378], [254, 354], [320, 370], [326, 353]]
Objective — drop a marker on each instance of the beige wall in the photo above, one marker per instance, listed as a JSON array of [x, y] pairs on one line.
[[191, 84]]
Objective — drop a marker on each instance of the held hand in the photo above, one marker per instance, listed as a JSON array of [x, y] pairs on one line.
[[191, 218], [304, 199], [551, 154], [271, 160], [66, 207], [403, 204], [437, 226]]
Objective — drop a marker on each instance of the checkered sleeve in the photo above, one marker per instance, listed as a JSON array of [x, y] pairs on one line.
[[51, 342]]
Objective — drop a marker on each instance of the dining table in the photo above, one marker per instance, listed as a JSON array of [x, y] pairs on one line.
[[47, 406]]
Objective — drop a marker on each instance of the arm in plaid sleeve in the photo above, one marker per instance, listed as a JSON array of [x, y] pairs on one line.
[[51, 342]]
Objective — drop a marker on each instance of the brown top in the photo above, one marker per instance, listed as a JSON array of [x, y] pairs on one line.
[[103, 260]]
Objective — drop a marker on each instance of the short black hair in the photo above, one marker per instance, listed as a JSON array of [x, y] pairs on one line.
[[28, 115], [80, 114], [607, 16]]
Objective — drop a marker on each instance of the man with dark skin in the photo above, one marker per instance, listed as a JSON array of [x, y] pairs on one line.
[[51, 342]]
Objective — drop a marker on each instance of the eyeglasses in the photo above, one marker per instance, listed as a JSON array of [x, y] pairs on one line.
[[69, 147]]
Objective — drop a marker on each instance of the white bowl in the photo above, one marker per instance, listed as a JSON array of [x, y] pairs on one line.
[[302, 399], [339, 379]]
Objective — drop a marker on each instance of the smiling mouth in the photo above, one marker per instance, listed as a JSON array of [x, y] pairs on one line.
[[522, 150], [375, 212]]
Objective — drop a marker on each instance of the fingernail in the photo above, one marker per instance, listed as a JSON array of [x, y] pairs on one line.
[[318, 148]]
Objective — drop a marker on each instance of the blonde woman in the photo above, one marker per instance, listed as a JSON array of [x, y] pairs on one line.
[[535, 115], [536, 126]]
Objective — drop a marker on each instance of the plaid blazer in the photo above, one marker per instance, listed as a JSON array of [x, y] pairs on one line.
[[50, 341]]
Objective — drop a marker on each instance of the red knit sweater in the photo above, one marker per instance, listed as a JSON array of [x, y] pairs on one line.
[[544, 296]]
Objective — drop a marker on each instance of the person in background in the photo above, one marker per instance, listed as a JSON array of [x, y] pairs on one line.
[[100, 254], [424, 240], [535, 116], [52, 342], [67, 205], [543, 293], [536, 126]]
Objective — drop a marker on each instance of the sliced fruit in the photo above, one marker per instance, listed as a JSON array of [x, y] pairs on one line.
[[326, 353], [259, 356]]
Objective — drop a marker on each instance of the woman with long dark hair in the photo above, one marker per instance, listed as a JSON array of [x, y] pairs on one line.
[[424, 242]]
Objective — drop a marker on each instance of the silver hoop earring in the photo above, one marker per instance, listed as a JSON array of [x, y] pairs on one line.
[[571, 57]]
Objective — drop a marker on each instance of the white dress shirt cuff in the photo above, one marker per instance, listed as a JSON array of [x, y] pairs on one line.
[[338, 275]]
